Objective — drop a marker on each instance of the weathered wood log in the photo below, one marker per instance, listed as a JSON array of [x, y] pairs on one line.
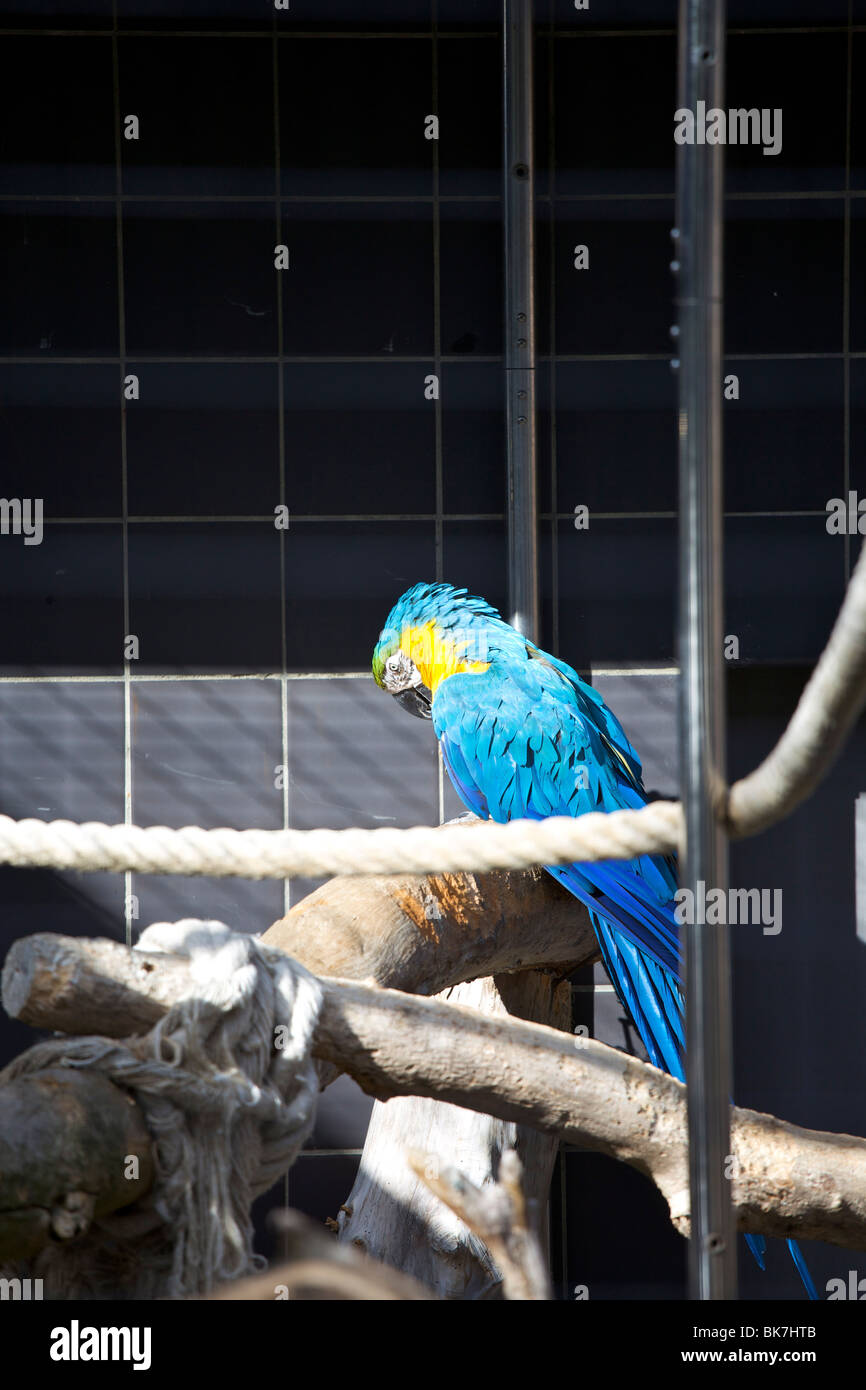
[[497, 1214], [786, 1180], [314, 1281], [89, 985], [394, 1214], [409, 931], [424, 934], [417, 934], [66, 1138]]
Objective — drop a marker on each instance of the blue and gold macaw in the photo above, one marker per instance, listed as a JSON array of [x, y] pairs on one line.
[[523, 736]]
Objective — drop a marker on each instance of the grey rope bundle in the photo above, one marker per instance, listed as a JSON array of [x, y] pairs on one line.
[[228, 1089]]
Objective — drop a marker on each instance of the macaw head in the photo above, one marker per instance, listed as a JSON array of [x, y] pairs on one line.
[[432, 632]]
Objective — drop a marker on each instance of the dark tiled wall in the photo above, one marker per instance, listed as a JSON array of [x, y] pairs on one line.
[[248, 702]]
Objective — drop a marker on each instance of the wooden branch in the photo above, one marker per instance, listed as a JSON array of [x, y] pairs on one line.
[[66, 1138], [423, 934], [413, 933], [319, 1267], [497, 1215], [785, 1180], [407, 932], [391, 1212], [314, 1280], [89, 985]]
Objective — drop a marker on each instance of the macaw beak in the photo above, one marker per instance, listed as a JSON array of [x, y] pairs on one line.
[[417, 700]]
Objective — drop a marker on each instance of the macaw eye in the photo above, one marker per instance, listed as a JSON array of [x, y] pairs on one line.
[[393, 662]]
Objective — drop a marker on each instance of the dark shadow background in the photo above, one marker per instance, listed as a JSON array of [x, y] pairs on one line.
[[154, 258]]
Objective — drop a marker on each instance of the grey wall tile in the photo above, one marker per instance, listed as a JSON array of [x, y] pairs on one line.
[[646, 706], [207, 753], [61, 758], [61, 750], [357, 758]]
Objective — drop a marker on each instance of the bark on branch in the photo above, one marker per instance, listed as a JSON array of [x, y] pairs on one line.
[[497, 1214], [391, 1211], [410, 932], [415, 934], [787, 1181], [423, 934]]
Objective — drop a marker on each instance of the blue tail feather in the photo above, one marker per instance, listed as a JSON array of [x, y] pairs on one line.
[[758, 1247], [655, 1003], [803, 1270]]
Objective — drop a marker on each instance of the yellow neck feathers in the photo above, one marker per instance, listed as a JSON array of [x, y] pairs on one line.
[[439, 655]]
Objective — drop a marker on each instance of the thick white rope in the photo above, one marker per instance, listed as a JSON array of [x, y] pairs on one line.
[[828, 707], [228, 1089], [156, 849]]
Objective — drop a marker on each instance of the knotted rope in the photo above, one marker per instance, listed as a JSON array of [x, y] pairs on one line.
[[228, 1089]]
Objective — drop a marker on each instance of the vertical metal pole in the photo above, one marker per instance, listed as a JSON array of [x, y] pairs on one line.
[[698, 262], [518, 169]]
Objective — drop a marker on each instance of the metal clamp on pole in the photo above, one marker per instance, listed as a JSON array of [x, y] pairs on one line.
[[698, 267], [519, 208]]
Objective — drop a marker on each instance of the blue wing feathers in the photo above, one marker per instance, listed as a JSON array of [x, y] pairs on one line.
[[530, 739]]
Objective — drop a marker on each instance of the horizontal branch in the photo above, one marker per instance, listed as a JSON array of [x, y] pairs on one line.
[[416, 934], [423, 934], [785, 1180]]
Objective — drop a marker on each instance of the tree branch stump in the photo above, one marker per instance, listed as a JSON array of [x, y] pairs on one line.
[[66, 1138], [395, 1216]]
